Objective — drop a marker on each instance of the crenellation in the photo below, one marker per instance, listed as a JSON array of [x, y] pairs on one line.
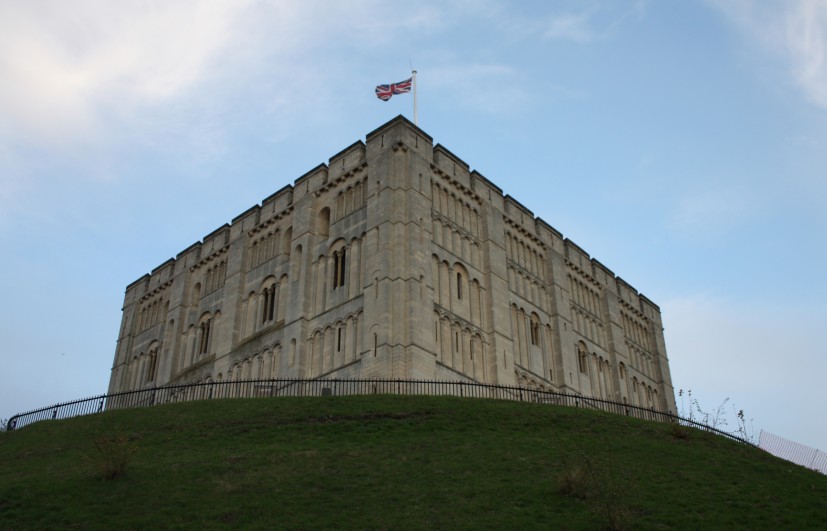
[[627, 293], [148, 294], [603, 274], [395, 132], [578, 258], [190, 252], [277, 202], [310, 182], [549, 237], [251, 215], [216, 239], [452, 166], [352, 156], [165, 270], [393, 261], [135, 283], [479, 183], [646, 303], [519, 213]]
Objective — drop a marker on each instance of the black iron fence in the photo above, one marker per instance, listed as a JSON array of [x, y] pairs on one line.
[[340, 387]]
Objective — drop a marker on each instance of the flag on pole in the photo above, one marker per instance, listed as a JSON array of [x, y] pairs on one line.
[[384, 92]]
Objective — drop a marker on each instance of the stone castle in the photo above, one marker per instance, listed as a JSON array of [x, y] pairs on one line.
[[393, 260]]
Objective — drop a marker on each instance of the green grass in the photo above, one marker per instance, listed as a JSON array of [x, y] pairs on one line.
[[395, 462]]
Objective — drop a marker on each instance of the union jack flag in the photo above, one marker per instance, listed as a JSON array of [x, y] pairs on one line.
[[384, 92]]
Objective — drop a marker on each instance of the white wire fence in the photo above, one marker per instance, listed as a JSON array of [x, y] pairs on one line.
[[792, 451]]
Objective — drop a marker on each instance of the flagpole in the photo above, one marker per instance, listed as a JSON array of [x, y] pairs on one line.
[[414, 87]]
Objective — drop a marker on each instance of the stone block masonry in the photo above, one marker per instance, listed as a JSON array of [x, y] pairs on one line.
[[394, 260]]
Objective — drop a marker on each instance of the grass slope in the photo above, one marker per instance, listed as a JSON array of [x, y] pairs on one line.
[[392, 462]]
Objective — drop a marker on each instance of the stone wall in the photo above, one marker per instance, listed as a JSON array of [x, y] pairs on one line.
[[394, 260]]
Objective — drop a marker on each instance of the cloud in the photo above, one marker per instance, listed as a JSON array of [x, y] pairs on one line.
[[806, 32], [73, 71], [572, 27], [65, 65], [86, 84], [793, 30]]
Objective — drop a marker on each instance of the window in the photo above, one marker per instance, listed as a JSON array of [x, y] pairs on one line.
[[339, 260], [459, 286], [214, 277], [288, 241], [535, 333], [269, 303], [153, 362], [583, 358], [350, 200], [323, 226], [204, 330]]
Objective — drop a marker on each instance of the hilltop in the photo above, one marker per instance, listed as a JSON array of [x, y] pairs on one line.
[[393, 462]]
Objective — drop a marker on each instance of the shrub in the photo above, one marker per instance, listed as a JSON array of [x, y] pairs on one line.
[[580, 479], [111, 453], [596, 481], [678, 430]]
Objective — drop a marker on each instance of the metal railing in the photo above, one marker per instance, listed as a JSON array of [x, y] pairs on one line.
[[340, 387]]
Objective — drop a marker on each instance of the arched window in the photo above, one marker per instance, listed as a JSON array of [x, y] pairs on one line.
[[459, 286], [205, 336], [535, 331], [152, 363], [287, 242], [339, 267], [323, 222], [269, 293], [196, 294], [583, 358]]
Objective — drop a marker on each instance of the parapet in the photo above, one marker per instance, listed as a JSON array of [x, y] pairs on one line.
[[519, 213], [310, 181], [400, 131], [576, 255], [276, 202], [216, 240], [166, 269], [602, 273], [452, 165], [349, 157]]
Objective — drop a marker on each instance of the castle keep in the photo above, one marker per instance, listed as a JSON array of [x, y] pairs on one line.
[[394, 260]]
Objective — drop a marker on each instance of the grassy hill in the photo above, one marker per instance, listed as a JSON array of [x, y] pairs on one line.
[[388, 462]]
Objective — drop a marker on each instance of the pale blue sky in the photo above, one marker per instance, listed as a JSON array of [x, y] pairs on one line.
[[682, 144]]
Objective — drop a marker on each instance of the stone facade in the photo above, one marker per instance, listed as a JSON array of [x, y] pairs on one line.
[[394, 260]]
